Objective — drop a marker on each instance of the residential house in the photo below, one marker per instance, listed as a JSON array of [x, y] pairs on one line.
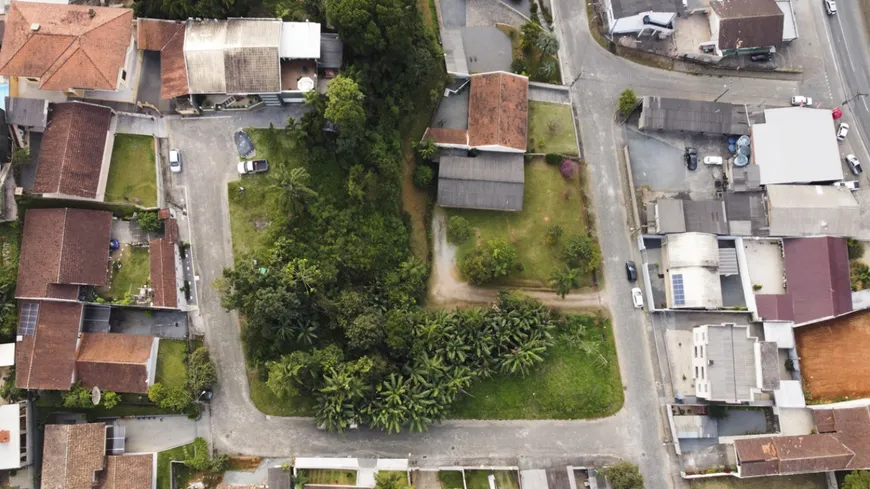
[[68, 49], [817, 282], [63, 250], [166, 281], [76, 152], [492, 181], [26, 115], [167, 37], [75, 457], [730, 365], [812, 210], [745, 26], [691, 262], [16, 435], [669, 216]]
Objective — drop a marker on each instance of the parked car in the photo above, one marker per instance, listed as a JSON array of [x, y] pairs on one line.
[[852, 185], [713, 160], [800, 100], [637, 298], [761, 57], [842, 130], [174, 161], [253, 166], [830, 7], [631, 271], [854, 164], [691, 157]]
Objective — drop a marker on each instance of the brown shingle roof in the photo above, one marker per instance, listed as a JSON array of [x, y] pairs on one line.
[[748, 23], [63, 246], [163, 214], [72, 150], [447, 136], [824, 419], [72, 454], [162, 255], [73, 47], [46, 359], [127, 472], [171, 230], [498, 108], [116, 362], [153, 34]]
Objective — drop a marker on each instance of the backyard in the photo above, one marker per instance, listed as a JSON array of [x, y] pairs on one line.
[[809, 481], [551, 129], [131, 269], [548, 200], [479, 479], [451, 479], [171, 368], [163, 461], [328, 476], [133, 171], [568, 385]]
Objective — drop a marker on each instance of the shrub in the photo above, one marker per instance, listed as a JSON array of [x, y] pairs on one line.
[[553, 234], [458, 230], [856, 248], [201, 373], [533, 8], [110, 399], [77, 397], [199, 459], [860, 275], [423, 176], [757, 287], [624, 475], [789, 365], [553, 159], [518, 66], [174, 398], [627, 101], [496, 259], [858, 479], [568, 169], [582, 252], [547, 43], [148, 221]]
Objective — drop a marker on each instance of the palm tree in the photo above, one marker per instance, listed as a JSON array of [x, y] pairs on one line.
[[547, 44], [562, 280], [426, 149], [293, 184]]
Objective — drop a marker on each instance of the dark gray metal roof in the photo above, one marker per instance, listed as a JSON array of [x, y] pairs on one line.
[[29, 112], [669, 216], [490, 181], [769, 365], [705, 216], [331, 51], [625, 8], [674, 114], [277, 478], [746, 212], [746, 179]]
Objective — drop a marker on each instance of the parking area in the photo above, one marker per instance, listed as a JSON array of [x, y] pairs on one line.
[[658, 166], [162, 324], [487, 49]]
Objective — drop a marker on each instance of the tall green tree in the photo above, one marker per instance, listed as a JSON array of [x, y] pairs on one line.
[[562, 280], [858, 479], [582, 252], [293, 185], [624, 475]]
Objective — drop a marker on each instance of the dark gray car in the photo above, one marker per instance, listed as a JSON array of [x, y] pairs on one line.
[[631, 271], [244, 144]]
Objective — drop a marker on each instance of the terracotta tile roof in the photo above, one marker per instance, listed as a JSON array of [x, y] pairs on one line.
[[72, 455], [447, 136], [71, 157], [46, 359], [163, 214], [817, 277], [63, 246], [164, 291], [824, 419], [171, 230], [115, 362], [153, 34], [167, 37], [498, 108], [74, 47], [127, 472]]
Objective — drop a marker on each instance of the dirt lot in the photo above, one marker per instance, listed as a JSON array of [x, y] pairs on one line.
[[833, 358]]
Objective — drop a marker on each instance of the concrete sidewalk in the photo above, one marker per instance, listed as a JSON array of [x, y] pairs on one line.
[[158, 433]]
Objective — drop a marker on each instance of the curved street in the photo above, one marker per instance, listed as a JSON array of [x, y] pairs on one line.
[[636, 433]]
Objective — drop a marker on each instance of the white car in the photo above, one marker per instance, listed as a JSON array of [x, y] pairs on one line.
[[174, 161], [800, 100], [637, 298], [830, 7], [713, 160], [842, 130], [852, 185], [854, 165]]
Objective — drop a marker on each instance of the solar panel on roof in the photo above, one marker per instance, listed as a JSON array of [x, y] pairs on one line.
[[679, 292], [27, 319]]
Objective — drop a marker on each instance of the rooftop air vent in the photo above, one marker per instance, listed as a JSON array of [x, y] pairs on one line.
[[92, 13], [34, 27]]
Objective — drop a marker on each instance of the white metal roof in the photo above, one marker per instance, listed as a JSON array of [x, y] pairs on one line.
[[796, 145], [692, 249], [10, 452], [300, 40], [813, 210], [789, 26], [780, 332], [7, 354], [790, 394]]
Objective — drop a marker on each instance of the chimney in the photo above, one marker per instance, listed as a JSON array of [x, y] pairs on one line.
[[34, 27], [4, 436], [92, 13]]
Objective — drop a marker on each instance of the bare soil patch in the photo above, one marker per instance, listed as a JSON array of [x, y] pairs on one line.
[[833, 358]]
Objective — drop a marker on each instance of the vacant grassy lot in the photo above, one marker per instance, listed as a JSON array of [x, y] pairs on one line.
[[163, 460], [329, 477], [548, 199], [133, 171], [171, 369], [135, 272], [450, 479], [568, 385], [479, 479], [551, 128], [809, 481]]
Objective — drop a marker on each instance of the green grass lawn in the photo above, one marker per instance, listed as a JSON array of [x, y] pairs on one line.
[[809, 481], [450, 479], [477, 479], [568, 385], [135, 272], [171, 369], [551, 129], [163, 459], [544, 205], [330, 477], [269, 403], [132, 172]]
